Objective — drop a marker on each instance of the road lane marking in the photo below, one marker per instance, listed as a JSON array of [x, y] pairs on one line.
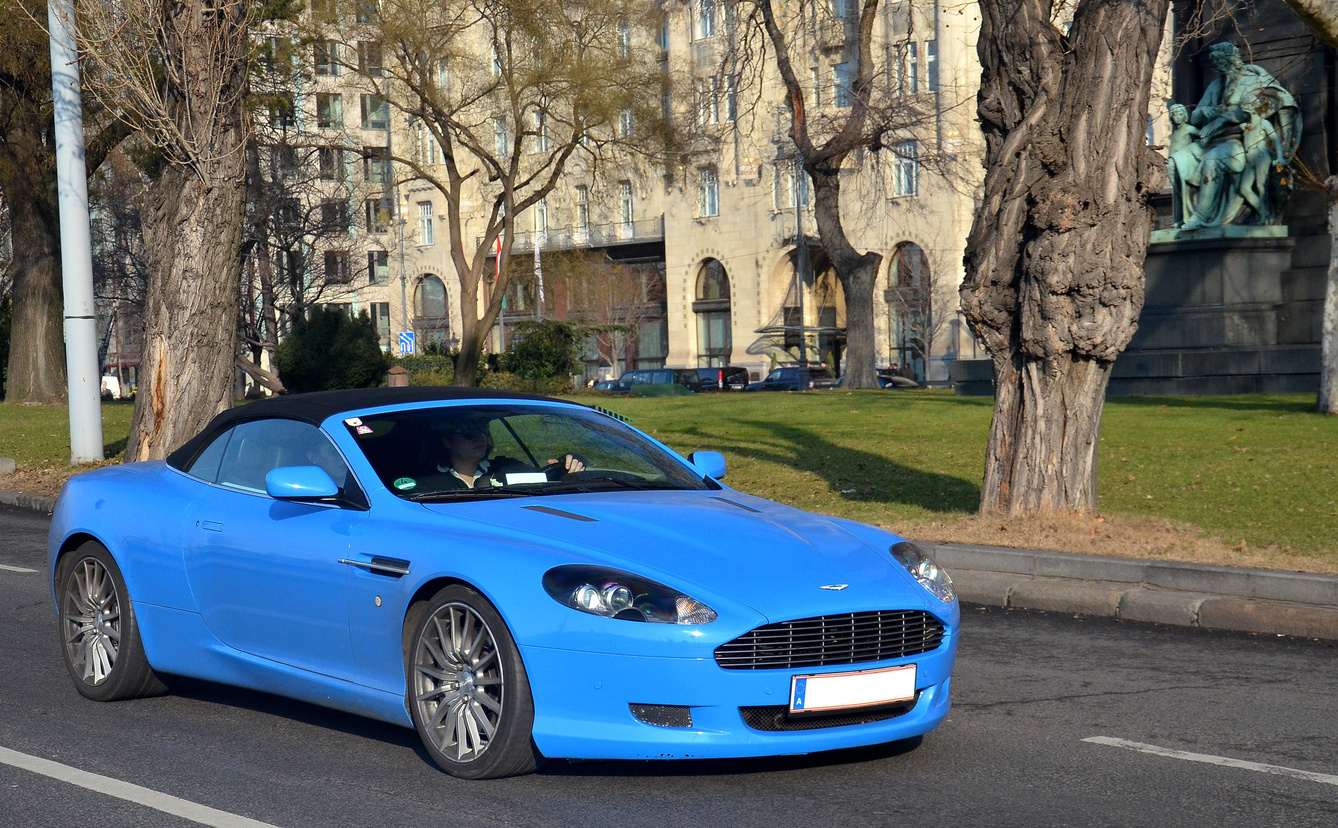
[[1258, 767], [147, 797], [9, 568]]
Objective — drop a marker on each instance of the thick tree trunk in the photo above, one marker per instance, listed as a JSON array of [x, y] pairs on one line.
[[37, 340], [857, 272], [1054, 262], [1328, 370], [193, 232]]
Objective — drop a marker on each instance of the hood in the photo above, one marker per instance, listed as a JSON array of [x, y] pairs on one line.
[[773, 558]]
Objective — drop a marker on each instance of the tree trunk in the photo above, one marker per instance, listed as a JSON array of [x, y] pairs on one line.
[[37, 338], [1328, 369], [1054, 262], [857, 273], [193, 231]]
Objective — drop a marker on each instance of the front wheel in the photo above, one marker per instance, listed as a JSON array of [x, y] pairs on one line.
[[468, 692], [99, 634]]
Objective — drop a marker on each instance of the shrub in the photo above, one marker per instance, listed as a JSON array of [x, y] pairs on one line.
[[545, 349], [330, 350]]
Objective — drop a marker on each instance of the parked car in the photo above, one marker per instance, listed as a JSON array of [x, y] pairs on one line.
[[729, 378], [610, 385], [643, 381], [313, 546], [796, 378], [889, 381]]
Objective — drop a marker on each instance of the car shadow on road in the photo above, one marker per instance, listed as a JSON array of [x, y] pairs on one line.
[[857, 475], [728, 767]]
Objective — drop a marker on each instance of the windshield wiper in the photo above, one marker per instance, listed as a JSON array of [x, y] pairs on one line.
[[602, 483], [471, 494]]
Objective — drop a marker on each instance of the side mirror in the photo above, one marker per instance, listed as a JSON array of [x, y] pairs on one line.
[[709, 463], [300, 483]]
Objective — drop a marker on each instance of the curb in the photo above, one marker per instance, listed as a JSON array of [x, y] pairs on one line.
[[27, 501], [1297, 604]]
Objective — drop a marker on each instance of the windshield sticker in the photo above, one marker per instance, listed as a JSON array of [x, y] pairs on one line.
[[404, 484], [362, 429], [353, 421]]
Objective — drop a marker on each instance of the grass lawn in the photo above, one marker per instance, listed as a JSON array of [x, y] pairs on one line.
[[1245, 480]]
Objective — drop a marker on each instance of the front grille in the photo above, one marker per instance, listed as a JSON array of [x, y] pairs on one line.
[[777, 717], [849, 638]]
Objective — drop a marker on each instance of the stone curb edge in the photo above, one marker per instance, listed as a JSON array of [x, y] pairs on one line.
[[28, 501], [1188, 595]]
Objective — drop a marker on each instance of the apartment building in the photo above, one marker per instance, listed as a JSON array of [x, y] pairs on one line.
[[704, 251]]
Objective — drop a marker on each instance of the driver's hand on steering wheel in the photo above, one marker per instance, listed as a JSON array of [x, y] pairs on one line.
[[571, 464]]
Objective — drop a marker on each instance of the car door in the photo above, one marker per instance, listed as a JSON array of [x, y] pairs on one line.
[[265, 573]]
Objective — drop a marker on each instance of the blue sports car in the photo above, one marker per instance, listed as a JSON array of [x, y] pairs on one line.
[[514, 577]]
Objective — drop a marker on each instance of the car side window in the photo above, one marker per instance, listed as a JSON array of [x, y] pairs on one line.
[[205, 466], [262, 445]]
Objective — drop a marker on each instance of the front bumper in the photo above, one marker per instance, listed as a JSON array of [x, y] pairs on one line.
[[581, 703]]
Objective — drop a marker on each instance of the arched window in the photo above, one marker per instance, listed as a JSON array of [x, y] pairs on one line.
[[909, 310], [431, 322], [713, 319]]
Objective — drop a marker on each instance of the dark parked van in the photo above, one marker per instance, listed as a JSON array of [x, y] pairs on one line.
[[657, 381], [729, 378]]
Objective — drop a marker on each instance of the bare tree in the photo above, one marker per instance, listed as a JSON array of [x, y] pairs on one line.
[[509, 92], [27, 174], [866, 112], [1054, 263], [178, 70]]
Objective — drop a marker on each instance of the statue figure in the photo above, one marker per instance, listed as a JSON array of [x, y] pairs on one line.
[[1226, 159]]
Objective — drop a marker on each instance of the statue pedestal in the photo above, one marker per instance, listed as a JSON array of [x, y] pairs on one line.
[[1211, 317]]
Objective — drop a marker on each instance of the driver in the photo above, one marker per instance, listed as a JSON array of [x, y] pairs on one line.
[[467, 464]]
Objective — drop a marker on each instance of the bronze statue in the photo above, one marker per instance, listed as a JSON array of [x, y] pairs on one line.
[[1228, 160]]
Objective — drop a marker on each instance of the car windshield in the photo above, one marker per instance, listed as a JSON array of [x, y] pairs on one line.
[[450, 453]]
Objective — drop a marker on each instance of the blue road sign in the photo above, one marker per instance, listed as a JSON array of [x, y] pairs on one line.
[[407, 343]]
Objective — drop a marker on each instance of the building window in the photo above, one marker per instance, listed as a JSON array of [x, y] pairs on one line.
[[425, 235], [327, 58], [329, 110], [816, 78], [501, 144], [377, 212], [541, 217], [540, 131], [378, 267], [713, 315], [708, 192], [334, 215], [375, 112], [931, 64], [376, 165], [841, 85], [282, 112], [326, 11], [625, 124], [582, 213], [381, 318], [624, 39], [443, 73], [705, 19], [496, 60], [331, 162], [905, 170], [625, 209], [369, 58], [336, 267], [913, 68], [368, 11], [731, 98]]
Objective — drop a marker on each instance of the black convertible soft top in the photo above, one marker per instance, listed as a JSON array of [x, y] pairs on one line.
[[316, 407]]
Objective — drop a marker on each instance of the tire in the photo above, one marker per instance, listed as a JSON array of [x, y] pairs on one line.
[[99, 636], [468, 692]]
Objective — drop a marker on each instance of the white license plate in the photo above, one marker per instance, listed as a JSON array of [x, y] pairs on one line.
[[823, 692]]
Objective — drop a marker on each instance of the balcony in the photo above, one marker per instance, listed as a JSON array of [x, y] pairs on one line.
[[594, 235]]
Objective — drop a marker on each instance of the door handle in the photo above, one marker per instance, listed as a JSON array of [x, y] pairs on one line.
[[381, 566], [211, 525]]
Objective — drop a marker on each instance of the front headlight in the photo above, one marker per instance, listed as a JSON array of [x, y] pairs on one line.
[[614, 594], [929, 574]]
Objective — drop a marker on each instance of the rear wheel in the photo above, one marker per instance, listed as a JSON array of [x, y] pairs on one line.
[[99, 635], [468, 692]]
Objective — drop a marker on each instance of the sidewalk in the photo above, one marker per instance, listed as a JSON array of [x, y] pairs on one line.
[[1186, 595]]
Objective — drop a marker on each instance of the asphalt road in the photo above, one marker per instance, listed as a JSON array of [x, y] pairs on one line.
[[1256, 713]]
